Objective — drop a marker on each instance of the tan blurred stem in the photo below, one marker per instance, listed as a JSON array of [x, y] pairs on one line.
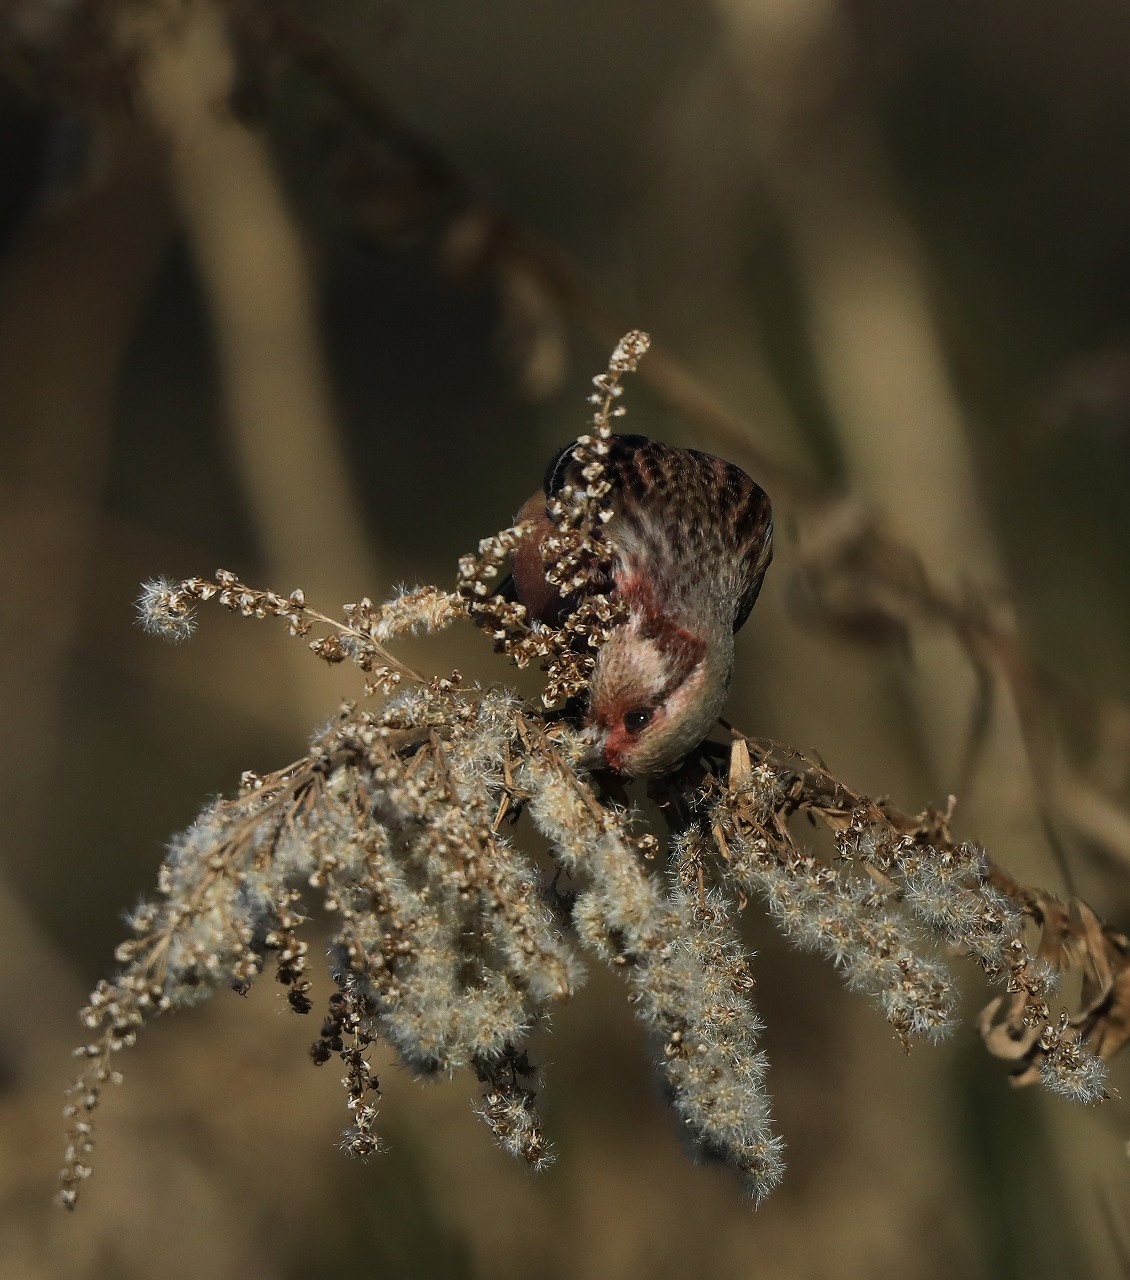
[[257, 278], [863, 280], [72, 287], [876, 344]]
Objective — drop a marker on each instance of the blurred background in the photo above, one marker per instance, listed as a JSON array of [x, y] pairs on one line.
[[311, 292]]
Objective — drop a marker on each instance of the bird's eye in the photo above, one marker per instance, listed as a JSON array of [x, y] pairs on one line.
[[636, 720]]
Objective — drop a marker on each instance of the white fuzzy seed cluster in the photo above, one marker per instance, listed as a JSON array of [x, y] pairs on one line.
[[848, 922], [894, 884], [444, 943], [948, 889], [689, 978]]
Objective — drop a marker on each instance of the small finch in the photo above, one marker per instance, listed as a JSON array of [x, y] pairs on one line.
[[691, 537]]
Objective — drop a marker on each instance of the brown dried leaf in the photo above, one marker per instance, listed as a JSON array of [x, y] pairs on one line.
[[1111, 1029], [1098, 976], [1004, 1039]]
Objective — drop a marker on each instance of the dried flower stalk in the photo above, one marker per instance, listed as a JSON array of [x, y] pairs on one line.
[[404, 822]]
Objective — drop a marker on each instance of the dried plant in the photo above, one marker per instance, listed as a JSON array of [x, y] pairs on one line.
[[451, 942]]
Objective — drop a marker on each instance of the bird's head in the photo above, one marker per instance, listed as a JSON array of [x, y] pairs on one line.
[[655, 693]]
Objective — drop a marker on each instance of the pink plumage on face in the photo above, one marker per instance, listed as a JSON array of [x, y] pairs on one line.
[[692, 536]]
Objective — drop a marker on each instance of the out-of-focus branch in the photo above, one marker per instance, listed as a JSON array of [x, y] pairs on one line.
[[687, 396], [72, 287], [879, 358], [256, 276], [863, 280]]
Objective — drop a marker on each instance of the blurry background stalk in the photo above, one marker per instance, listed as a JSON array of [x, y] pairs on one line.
[[864, 291], [254, 272], [71, 289], [766, 187]]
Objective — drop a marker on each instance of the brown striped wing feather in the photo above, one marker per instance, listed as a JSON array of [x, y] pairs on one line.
[[698, 523]]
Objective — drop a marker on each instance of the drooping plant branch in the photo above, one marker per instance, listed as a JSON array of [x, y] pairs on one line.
[[406, 822]]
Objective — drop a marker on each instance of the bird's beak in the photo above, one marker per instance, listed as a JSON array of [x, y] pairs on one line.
[[593, 755]]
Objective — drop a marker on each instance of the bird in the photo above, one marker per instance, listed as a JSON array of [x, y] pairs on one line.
[[691, 537]]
